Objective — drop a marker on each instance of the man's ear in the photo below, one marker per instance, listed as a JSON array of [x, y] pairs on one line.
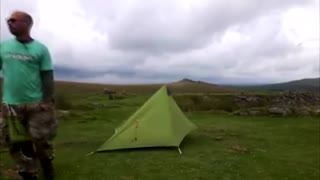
[[30, 25]]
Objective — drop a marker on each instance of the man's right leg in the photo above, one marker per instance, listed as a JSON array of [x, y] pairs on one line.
[[22, 154], [25, 158]]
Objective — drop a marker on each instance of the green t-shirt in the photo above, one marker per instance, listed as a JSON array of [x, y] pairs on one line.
[[21, 64]]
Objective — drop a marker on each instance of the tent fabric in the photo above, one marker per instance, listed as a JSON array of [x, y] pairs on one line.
[[158, 123]]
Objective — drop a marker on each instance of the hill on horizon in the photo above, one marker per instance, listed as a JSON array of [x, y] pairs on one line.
[[188, 86], [182, 86], [306, 84]]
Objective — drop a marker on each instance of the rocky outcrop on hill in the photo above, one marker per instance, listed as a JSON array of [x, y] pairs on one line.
[[291, 103], [278, 111], [298, 99], [285, 99]]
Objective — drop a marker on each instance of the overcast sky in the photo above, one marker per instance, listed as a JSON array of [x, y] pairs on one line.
[[144, 41]]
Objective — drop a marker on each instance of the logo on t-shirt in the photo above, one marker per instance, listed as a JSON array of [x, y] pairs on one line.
[[21, 57]]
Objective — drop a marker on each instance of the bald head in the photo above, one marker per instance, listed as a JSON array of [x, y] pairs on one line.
[[21, 15], [20, 23]]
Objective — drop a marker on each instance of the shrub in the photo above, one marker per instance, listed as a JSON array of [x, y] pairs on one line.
[[62, 102], [196, 102]]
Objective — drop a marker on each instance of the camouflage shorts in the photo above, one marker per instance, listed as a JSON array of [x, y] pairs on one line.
[[41, 126]]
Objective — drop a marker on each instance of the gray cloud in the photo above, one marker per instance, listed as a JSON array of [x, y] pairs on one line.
[[152, 41], [164, 27]]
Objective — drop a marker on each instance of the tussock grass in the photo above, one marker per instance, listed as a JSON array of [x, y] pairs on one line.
[[223, 147]]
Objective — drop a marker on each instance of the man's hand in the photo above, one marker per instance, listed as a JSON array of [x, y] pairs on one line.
[[45, 106]]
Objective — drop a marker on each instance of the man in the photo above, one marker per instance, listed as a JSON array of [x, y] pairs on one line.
[[28, 87]]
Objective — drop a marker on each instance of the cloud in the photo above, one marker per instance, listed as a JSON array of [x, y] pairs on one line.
[[163, 26], [136, 41]]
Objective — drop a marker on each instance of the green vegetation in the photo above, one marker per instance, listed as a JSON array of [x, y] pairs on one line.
[[223, 147]]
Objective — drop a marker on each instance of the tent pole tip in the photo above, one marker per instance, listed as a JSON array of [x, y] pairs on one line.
[[179, 150]]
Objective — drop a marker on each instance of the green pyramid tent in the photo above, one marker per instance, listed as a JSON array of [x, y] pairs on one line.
[[158, 123]]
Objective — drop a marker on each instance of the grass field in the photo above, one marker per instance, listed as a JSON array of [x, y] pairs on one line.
[[223, 147]]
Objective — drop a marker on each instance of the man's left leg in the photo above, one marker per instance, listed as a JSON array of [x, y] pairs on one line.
[[43, 128]]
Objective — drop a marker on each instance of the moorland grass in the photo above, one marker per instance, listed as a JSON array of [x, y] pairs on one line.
[[223, 147]]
